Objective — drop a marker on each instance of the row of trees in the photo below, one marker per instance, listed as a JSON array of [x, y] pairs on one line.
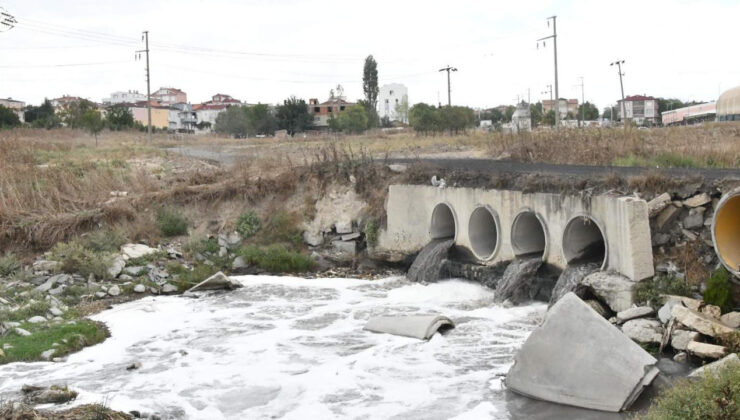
[[83, 114], [428, 119], [246, 121]]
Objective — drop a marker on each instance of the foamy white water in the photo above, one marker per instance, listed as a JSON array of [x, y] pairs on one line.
[[292, 348]]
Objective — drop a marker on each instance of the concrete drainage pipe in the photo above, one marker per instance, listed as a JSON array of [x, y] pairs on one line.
[[443, 222], [528, 235], [726, 231], [583, 240], [483, 229]]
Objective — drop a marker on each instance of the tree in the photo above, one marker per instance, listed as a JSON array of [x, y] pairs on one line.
[[509, 113], [119, 118], [233, 121], [535, 112], [8, 118], [42, 116], [402, 110], [424, 118], [370, 82], [589, 111], [429, 119], [92, 122], [549, 118], [353, 119], [293, 116], [261, 119], [373, 120], [608, 113], [73, 115]]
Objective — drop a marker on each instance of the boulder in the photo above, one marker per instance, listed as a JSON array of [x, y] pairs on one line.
[[731, 319], [613, 289], [657, 204], [351, 236], [230, 241], [55, 394], [135, 271], [711, 368], [695, 219], [643, 330], [139, 288], [20, 331], [712, 311], [54, 280], [680, 339], [216, 281], [239, 263], [700, 322], [55, 311], [116, 266], [48, 354], [313, 238], [169, 289], [343, 226], [349, 248], [45, 266], [632, 313], [36, 319], [131, 251], [681, 357], [666, 217], [602, 369], [697, 200], [114, 291], [705, 350]]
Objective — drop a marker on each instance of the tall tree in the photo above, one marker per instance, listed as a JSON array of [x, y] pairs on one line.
[[590, 112], [119, 118], [402, 110], [293, 116], [370, 81], [535, 112]]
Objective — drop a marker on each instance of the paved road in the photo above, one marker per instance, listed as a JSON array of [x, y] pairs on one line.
[[482, 165]]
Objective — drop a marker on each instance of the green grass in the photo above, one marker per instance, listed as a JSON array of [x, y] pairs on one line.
[[664, 160], [248, 223], [171, 222], [282, 228], [75, 258], [9, 265], [648, 292], [146, 259], [712, 397], [277, 259], [371, 232], [719, 291], [37, 307], [71, 337], [188, 278]]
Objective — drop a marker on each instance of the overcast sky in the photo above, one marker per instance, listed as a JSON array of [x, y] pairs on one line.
[[266, 50]]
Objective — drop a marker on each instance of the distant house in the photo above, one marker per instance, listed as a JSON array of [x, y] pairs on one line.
[[565, 106], [16, 106], [322, 112], [130, 97], [160, 114], [389, 97], [207, 112], [639, 108], [64, 102], [169, 96]]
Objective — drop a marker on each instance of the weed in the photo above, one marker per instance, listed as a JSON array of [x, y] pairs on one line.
[[277, 259], [371, 232], [171, 222], [69, 336], [75, 258], [283, 227], [9, 265], [730, 340], [104, 240], [31, 309], [648, 292], [146, 259], [248, 224], [719, 291]]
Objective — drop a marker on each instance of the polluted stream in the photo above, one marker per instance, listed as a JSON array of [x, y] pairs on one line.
[[286, 347]]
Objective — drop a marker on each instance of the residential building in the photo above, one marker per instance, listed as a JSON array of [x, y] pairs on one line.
[[207, 112], [728, 105], [222, 99], [130, 97], [64, 102], [322, 112], [160, 114], [565, 106], [390, 97], [182, 118], [169, 96], [16, 106], [639, 108]]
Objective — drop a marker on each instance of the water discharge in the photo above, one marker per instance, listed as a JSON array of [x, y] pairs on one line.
[[428, 265]]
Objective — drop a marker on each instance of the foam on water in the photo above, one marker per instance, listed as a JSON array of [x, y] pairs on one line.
[[292, 348]]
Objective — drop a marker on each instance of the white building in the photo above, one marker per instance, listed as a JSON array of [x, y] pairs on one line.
[[16, 106], [130, 97], [390, 96]]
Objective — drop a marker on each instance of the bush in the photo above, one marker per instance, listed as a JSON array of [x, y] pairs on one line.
[[9, 265], [75, 258], [248, 224], [649, 291], [277, 259], [104, 240], [171, 222], [371, 232], [719, 291], [713, 396], [283, 227]]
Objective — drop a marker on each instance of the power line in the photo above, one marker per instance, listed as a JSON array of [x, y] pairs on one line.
[[554, 37], [448, 69], [32, 66]]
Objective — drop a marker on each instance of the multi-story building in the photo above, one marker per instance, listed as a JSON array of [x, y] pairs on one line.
[[160, 114], [16, 106], [565, 106], [638, 108], [207, 112], [64, 101], [130, 97], [391, 98], [169, 96], [182, 118], [322, 112]]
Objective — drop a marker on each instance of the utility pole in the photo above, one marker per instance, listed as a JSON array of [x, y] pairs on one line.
[[548, 90], [583, 102], [621, 86], [554, 37], [448, 69], [145, 38], [7, 21]]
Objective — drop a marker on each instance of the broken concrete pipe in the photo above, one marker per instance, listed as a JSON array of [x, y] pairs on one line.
[[726, 231]]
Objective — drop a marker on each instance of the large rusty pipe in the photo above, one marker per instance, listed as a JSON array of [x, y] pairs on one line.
[[726, 231]]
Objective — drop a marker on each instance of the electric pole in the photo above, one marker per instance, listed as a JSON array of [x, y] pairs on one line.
[[548, 90], [621, 86], [7, 21], [583, 101], [448, 69], [145, 38], [554, 37]]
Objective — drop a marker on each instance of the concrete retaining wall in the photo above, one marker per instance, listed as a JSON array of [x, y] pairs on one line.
[[622, 222]]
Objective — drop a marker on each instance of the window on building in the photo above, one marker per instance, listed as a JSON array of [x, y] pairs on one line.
[[391, 93], [317, 109], [341, 108]]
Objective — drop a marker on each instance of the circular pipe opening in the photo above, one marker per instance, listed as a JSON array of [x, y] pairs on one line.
[[528, 235], [443, 222], [483, 231], [584, 241], [726, 232]]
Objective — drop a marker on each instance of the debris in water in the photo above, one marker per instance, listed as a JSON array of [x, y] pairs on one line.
[[422, 327]]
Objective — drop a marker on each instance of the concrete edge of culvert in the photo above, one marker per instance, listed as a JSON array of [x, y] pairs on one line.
[[515, 248], [566, 250], [439, 225], [729, 224], [475, 247]]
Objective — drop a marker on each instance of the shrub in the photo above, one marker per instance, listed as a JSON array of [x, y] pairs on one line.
[[75, 258], [649, 291], [9, 265], [248, 223], [713, 396], [371, 232], [104, 240], [277, 259], [283, 227], [719, 291], [171, 222], [731, 341]]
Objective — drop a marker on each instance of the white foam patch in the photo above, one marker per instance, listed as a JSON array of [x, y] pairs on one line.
[[285, 347]]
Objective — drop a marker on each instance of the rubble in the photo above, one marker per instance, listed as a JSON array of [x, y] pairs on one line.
[[216, 282], [700, 322], [706, 350], [422, 327], [615, 290], [632, 313], [726, 361]]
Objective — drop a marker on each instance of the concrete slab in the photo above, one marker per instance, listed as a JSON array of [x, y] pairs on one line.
[[711, 368], [422, 327], [578, 358]]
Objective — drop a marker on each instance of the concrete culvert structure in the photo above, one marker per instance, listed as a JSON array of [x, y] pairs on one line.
[[443, 222], [528, 235], [483, 229], [584, 241], [726, 231]]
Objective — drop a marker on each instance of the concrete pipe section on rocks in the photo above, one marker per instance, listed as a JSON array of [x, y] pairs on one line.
[[529, 235], [483, 231], [443, 222], [726, 231], [584, 241]]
